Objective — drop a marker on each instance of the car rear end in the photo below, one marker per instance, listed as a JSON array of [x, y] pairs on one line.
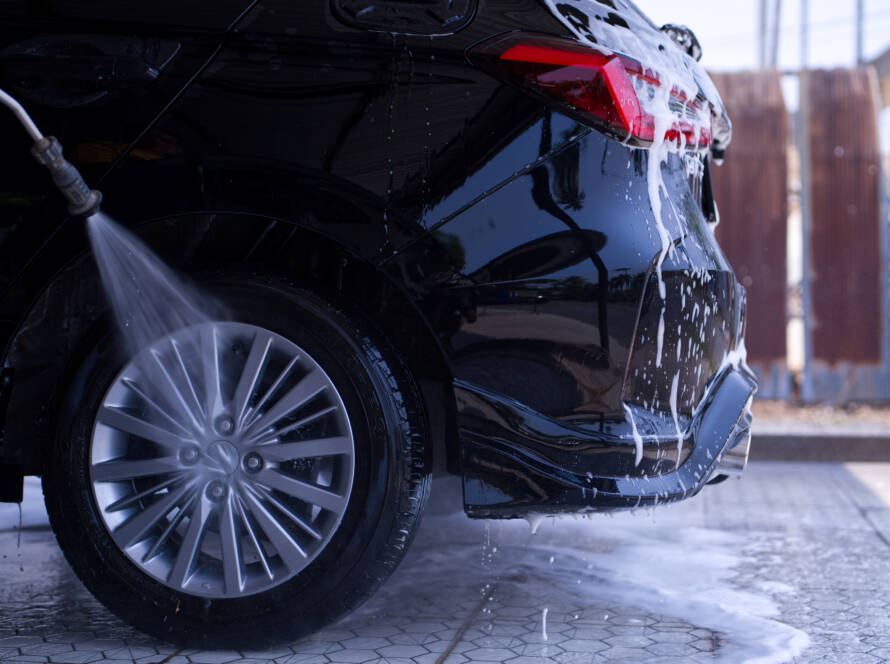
[[646, 125]]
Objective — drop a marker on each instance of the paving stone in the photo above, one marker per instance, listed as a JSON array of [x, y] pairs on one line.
[[578, 658], [426, 627], [412, 639], [20, 641], [583, 645], [496, 641], [99, 644], [799, 524], [381, 631], [629, 641], [704, 645], [366, 643], [401, 651], [353, 655], [305, 659], [538, 650], [78, 657], [590, 633], [316, 648], [133, 652], [46, 649], [215, 657], [69, 637], [671, 649], [489, 654], [674, 636], [270, 654]]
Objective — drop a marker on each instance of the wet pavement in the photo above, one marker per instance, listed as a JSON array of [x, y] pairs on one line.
[[792, 563]]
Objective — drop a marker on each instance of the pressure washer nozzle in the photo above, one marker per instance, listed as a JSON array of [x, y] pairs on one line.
[[82, 201]]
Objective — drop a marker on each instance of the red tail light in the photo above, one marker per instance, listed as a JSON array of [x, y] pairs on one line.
[[611, 92]]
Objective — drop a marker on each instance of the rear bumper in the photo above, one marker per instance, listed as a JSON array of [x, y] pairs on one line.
[[518, 462]]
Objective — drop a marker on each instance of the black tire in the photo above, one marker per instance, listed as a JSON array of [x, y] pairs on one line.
[[390, 485]]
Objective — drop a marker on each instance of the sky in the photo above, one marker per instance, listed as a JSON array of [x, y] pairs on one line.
[[727, 30]]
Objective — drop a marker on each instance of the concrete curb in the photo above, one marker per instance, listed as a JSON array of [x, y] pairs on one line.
[[836, 447]]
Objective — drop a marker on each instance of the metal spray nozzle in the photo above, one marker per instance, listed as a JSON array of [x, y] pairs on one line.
[[82, 201]]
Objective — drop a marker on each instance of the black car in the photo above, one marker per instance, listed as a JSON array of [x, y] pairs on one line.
[[447, 236]]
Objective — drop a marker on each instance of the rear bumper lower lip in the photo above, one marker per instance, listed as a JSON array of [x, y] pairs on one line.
[[512, 472], [735, 457]]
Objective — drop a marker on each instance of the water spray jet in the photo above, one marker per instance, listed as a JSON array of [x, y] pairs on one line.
[[47, 151]]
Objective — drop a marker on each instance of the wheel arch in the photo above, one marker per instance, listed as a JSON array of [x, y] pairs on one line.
[[53, 337]]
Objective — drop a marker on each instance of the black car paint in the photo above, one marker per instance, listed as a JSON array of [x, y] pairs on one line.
[[489, 236]]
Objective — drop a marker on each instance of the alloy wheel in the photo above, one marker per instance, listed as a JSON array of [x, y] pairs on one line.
[[222, 459]]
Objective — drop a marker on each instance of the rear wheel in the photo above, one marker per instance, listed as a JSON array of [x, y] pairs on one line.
[[241, 481]]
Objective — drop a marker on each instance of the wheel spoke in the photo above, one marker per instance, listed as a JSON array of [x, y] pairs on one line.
[[257, 409], [159, 409], [267, 495], [245, 521], [190, 546], [134, 498], [231, 550], [179, 402], [121, 471], [193, 393], [210, 360], [135, 426], [253, 367], [311, 385], [170, 528], [303, 449], [137, 527], [276, 434], [288, 549], [309, 493]]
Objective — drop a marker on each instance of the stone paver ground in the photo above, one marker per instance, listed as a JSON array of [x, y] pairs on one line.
[[742, 570]]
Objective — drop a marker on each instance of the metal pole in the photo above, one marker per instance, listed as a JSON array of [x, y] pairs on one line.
[[883, 391], [804, 34], [860, 32], [803, 144], [761, 36], [777, 20]]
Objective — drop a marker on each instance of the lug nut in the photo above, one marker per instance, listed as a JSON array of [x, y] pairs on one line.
[[225, 425], [216, 491], [189, 455], [253, 462]]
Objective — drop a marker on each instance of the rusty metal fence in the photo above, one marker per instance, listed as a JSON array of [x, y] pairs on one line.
[[844, 287], [751, 188]]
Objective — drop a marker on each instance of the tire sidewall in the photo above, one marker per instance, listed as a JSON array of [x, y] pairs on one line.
[[343, 572]]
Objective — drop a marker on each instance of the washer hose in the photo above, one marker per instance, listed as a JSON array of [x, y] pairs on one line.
[[47, 151]]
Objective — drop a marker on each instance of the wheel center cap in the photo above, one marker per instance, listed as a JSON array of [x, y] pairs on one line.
[[224, 455]]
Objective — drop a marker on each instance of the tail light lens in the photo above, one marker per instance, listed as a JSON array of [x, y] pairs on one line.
[[606, 90]]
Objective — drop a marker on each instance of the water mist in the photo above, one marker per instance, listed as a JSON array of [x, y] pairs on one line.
[[148, 299]]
